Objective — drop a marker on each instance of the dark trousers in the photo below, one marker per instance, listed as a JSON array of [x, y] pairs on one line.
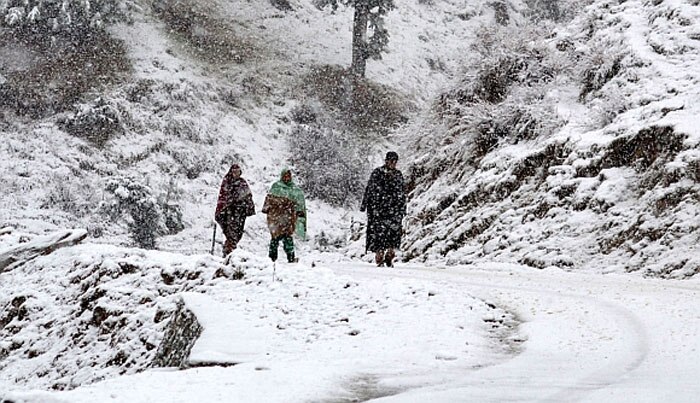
[[233, 226], [287, 245]]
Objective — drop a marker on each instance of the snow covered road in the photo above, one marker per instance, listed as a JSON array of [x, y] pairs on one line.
[[401, 338], [590, 337]]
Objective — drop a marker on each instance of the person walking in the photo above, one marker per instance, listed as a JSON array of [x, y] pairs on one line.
[[286, 215], [385, 203], [234, 205]]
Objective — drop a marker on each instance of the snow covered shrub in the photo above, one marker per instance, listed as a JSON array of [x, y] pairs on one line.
[[147, 219], [67, 194], [506, 57], [600, 64], [330, 163], [505, 96], [325, 242], [517, 119], [172, 213], [48, 17], [282, 5], [500, 8], [182, 127], [303, 114], [555, 10], [606, 107], [61, 196], [191, 161], [97, 122], [140, 90]]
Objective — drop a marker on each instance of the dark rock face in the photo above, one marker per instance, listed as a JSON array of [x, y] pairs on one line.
[[181, 334]]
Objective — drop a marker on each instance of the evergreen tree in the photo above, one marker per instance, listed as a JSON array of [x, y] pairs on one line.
[[369, 15]]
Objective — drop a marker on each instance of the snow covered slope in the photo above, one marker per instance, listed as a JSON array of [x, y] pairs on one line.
[[597, 171], [187, 110], [94, 312]]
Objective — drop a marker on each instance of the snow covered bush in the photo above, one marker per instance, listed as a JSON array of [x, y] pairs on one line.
[[209, 36], [303, 114], [147, 219], [66, 194], [507, 57], [48, 17], [555, 10], [172, 213], [52, 75], [600, 64], [330, 163], [96, 122], [606, 107]]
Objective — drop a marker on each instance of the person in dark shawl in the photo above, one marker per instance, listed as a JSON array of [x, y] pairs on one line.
[[286, 215], [234, 205], [385, 203]]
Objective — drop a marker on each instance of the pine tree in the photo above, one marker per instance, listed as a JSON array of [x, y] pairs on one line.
[[369, 15]]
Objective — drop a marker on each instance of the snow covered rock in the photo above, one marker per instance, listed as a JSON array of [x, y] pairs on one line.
[[19, 254], [182, 332], [91, 312]]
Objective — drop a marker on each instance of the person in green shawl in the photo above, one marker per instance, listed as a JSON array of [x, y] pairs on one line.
[[286, 215]]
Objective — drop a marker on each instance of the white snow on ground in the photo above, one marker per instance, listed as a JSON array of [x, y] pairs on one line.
[[273, 318], [588, 338]]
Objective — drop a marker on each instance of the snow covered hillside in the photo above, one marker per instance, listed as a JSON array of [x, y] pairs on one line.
[[208, 84], [577, 148]]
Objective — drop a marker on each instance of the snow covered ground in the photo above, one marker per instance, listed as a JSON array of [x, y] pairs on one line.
[[416, 334]]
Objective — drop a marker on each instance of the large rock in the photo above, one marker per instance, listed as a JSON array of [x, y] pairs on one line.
[[181, 334]]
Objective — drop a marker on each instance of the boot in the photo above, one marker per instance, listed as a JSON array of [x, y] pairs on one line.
[[389, 258], [379, 258], [291, 258]]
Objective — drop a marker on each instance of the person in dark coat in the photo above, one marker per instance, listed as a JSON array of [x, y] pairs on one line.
[[235, 204], [385, 203]]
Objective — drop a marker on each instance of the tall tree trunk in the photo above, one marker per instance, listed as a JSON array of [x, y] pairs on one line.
[[359, 40]]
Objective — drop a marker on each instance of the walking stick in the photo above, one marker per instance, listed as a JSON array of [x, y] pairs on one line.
[[274, 268], [213, 240]]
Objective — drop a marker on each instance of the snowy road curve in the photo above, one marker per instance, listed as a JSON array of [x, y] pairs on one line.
[[582, 338], [589, 337]]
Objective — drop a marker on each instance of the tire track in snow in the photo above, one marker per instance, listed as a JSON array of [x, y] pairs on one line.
[[626, 363], [564, 377]]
